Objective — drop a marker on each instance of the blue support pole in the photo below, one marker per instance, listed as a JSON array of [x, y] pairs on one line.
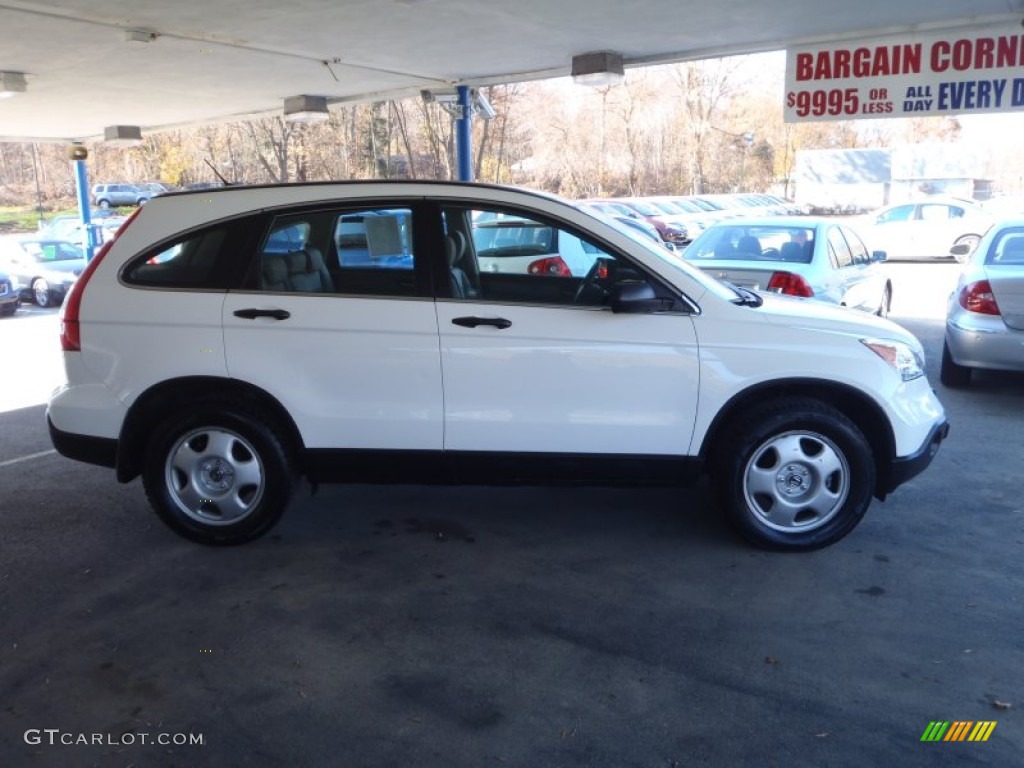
[[82, 188], [463, 134]]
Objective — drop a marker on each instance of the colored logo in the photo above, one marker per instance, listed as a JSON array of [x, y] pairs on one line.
[[959, 730]]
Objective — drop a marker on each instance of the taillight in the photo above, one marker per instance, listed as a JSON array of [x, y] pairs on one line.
[[978, 297], [790, 284], [552, 265], [70, 335]]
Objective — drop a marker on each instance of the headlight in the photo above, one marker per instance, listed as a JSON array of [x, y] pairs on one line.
[[902, 358]]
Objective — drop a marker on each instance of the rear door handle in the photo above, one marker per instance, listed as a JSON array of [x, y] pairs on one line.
[[252, 314], [473, 322]]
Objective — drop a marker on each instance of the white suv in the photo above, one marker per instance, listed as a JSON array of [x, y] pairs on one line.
[[228, 342]]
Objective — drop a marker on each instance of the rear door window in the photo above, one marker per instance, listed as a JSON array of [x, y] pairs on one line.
[[363, 251]]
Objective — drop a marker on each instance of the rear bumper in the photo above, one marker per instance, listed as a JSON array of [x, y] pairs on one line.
[[92, 450], [984, 341], [906, 467]]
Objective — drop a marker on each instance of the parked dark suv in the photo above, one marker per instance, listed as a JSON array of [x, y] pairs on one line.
[[109, 195]]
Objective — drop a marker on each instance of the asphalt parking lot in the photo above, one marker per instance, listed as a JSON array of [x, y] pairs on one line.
[[412, 626]]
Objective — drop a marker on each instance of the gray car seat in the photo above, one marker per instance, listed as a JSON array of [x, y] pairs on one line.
[[275, 273], [749, 244], [308, 273], [791, 251]]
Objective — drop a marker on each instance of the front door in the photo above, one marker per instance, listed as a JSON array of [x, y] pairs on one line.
[[536, 362]]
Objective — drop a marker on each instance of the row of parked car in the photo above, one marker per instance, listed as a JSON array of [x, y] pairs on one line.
[[922, 229], [679, 219]]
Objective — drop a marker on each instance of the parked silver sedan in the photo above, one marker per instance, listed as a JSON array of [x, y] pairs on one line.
[[985, 315], [796, 255]]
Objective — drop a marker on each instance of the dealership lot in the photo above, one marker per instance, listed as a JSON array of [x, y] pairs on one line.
[[523, 626]]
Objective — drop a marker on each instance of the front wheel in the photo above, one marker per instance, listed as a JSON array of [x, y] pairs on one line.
[[218, 474], [795, 474], [42, 294], [103, 204]]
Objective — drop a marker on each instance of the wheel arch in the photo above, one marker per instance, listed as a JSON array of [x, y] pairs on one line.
[[857, 406], [164, 398]]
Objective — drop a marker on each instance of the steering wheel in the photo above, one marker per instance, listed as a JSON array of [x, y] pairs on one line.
[[593, 275]]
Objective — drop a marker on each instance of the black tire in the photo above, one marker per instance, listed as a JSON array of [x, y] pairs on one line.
[[886, 305], [9, 311], [970, 240], [771, 480], [950, 373], [103, 203], [41, 293], [240, 480]]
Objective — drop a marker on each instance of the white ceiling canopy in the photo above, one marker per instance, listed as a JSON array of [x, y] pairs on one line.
[[156, 64]]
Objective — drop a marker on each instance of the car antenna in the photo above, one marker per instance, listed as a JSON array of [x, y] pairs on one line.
[[225, 181]]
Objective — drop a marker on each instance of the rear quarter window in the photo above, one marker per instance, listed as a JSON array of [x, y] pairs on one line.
[[206, 259]]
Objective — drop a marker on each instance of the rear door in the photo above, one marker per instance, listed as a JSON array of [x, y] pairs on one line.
[[337, 322], [939, 225], [862, 283], [896, 231]]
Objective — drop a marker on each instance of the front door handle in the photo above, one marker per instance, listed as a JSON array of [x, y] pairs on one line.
[[473, 322], [252, 314]]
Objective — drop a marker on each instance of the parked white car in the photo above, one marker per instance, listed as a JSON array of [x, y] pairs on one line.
[[925, 229], [222, 346]]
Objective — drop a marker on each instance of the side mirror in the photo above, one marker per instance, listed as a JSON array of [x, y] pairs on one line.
[[960, 249], [879, 256], [636, 296]]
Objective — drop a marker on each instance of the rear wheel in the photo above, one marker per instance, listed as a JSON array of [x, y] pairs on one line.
[[795, 474], [971, 241], [218, 474], [950, 372]]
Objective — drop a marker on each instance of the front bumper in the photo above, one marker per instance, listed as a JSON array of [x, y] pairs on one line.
[[904, 468]]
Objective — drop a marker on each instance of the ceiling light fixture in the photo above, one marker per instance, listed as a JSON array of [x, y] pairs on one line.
[[122, 135], [305, 109], [597, 68], [11, 84]]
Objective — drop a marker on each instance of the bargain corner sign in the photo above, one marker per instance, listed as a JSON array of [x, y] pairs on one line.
[[947, 73]]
